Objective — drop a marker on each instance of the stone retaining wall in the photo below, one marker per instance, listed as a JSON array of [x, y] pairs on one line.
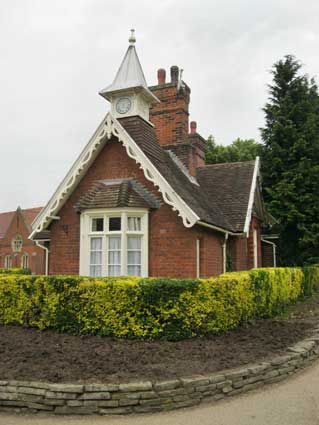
[[147, 396]]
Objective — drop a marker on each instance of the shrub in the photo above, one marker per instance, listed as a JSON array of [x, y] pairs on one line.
[[133, 307], [310, 282], [15, 271]]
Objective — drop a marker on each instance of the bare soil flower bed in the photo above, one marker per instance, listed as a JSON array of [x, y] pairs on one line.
[[30, 354]]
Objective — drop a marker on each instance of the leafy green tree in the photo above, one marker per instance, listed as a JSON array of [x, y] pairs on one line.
[[238, 150], [290, 160]]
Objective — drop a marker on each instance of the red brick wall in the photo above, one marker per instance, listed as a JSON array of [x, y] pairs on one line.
[[255, 224], [36, 254], [238, 250], [172, 249], [241, 248]]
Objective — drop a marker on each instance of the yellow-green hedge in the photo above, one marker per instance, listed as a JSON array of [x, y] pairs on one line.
[[150, 308], [15, 271]]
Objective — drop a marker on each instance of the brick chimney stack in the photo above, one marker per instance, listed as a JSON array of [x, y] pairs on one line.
[[171, 120], [161, 76], [193, 126], [174, 74], [170, 116]]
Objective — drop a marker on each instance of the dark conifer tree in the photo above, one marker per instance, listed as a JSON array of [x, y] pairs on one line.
[[290, 161]]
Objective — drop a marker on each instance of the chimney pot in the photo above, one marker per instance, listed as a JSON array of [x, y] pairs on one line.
[[161, 76], [193, 125], [174, 74]]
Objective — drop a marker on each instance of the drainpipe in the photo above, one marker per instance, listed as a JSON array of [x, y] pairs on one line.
[[273, 250], [197, 258], [38, 243], [225, 253]]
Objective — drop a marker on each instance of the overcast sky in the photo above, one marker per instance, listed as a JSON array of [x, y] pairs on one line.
[[56, 55]]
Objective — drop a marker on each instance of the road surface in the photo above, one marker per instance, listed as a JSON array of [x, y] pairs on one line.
[[293, 402]]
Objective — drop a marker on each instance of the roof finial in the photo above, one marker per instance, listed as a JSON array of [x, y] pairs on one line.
[[132, 38]]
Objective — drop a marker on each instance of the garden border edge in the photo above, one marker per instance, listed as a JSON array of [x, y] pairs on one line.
[[153, 396]]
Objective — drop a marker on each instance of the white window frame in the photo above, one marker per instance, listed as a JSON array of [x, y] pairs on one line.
[[8, 262], [86, 234], [24, 258], [17, 243]]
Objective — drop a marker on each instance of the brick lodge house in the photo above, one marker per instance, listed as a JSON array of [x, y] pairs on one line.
[[16, 249], [140, 201]]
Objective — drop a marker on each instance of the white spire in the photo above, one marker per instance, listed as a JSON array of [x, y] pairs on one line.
[[130, 74]]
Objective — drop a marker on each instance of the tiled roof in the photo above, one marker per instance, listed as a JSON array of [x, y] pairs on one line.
[[117, 193], [228, 185], [30, 214], [6, 218], [192, 194]]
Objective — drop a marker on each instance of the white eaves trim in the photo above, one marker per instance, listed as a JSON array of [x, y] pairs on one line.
[[251, 196], [108, 127]]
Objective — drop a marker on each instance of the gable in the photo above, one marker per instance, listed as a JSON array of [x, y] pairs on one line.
[[17, 226], [108, 128], [14, 222]]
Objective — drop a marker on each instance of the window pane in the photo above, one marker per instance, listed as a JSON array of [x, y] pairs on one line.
[[96, 244], [134, 223], [115, 257], [96, 257], [115, 242], [134, 270], [97, 224], [134, 257], [95, 271], [114, 224], [114, 271], [133, 242]]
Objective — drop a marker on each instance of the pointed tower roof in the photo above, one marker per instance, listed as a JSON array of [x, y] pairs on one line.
[[130, 75]]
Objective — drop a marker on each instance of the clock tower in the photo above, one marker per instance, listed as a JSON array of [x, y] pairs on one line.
[[129, 94]]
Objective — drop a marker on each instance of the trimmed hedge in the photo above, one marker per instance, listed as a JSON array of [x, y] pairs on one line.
[[171, 309], [15, 271]]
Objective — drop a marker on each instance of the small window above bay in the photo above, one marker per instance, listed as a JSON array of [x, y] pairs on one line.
[[114, 224], [97, 224], [134, 224]]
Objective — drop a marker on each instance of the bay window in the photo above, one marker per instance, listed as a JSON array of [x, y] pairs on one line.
[[114, 242]]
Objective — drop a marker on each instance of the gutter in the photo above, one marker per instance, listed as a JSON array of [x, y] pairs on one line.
[[274, 246], [219, 229], [47, 251]]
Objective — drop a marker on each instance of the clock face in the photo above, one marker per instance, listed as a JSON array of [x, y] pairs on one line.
[[123, 105]]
